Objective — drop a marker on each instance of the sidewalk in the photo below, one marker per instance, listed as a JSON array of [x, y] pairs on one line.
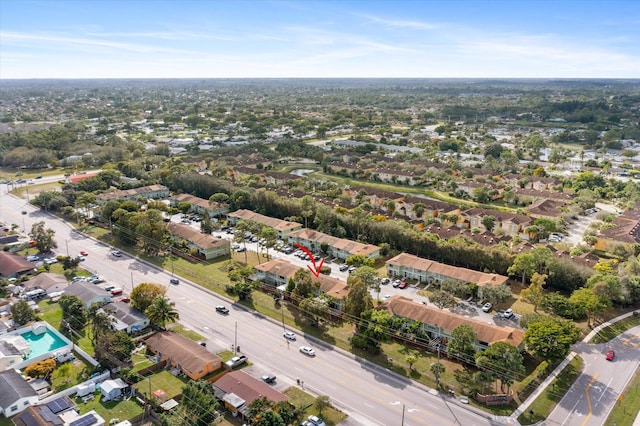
[[525, 404]]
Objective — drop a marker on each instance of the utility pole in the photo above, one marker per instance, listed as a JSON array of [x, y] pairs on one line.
[[235, 346]]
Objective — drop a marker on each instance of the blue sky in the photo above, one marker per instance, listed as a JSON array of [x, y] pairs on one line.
[[270, 39]]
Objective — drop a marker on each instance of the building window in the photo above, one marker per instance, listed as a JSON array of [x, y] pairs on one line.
[[14, 408]]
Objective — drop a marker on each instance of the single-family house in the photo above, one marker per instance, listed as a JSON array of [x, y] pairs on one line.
[[183, 354], [282, 227], [88, 293], [200, 205], [206, 245], [45, 414], [237, 390], [13, 266], [438, 324], [126, 318], [51, 283], [337, 247], [15, 393]]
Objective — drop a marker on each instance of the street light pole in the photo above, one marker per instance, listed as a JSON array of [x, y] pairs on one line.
[[402, 424], [235, 346]]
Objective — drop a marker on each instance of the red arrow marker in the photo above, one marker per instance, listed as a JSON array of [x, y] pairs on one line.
[[316, 268]]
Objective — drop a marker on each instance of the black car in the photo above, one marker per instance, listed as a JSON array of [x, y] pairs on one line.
[[222, 309], [269, 378], [174, 281]]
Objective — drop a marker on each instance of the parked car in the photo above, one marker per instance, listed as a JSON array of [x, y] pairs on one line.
[[116, 291], [222, 309], [289, 335], [610, 355], [116, 253], [316, 421], [487, 307], [396, 283], [269, 378], [508, 313], [51, 261], [237, 361], [240, 249], [81, 258], [307, 350], [403, 285], [83, 253], [124, 300], [96, 279], [343, 268], [109, 287], [174, 281], [33, 258]]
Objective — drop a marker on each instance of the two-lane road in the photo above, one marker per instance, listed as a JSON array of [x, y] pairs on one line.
[[597, 389]]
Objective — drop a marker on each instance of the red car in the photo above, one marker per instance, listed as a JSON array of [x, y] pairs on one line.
[[84, 253], [610, 355], [403, 285], [124, 300]]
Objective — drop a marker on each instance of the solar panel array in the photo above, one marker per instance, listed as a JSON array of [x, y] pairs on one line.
[[50, 416], [85, 421], [58, 405]]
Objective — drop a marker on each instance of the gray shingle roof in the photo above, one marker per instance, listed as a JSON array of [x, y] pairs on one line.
[[13, 387]]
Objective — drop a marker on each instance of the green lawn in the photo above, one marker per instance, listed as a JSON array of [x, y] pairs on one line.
[[628, 406], [111, 409], [140, 361], [616, 329], [164, 380], [299, 398], [69, 374], [546, 402], [186, 332]]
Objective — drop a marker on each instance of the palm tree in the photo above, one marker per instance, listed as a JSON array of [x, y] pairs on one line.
[[99, 321], [162, 311]]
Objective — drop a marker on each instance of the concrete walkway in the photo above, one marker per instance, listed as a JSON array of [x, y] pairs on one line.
[[526, 403]]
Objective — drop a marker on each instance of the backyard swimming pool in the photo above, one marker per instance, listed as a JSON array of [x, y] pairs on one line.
[[43, 343]]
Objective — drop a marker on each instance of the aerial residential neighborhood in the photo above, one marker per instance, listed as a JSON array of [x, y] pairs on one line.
[[345, 228]]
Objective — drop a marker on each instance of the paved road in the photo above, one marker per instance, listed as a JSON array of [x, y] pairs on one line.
[[369, 394], [596, 391]]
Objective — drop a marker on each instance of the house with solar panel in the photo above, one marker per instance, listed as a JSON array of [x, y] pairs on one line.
[[46, 414]]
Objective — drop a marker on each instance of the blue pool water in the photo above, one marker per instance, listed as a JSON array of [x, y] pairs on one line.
[[46, 342]]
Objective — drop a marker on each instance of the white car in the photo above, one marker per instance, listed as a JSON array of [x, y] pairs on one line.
[[316, 421], [116, 253], [508, 313], [51, 261], [487, 307], [289, 335], [307, 350]]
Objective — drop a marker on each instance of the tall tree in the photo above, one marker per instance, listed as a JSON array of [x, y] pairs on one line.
[[592, 304], [99, 321], [21, 313], [162, 311], [534, 294], [550, 338], [358, 300], [442, 299], [74, 314], [504, 361], [462, 344], [44, 238], [144, 294]]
